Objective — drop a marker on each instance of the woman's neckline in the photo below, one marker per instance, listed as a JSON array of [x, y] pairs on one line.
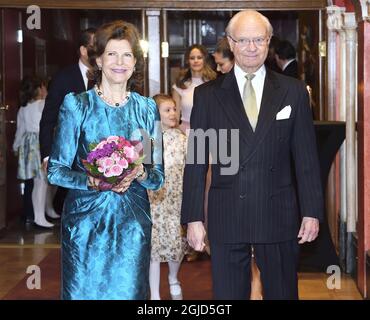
[[100, 95], [197, 79]]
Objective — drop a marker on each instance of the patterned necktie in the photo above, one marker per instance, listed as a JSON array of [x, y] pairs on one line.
[[250, 102]]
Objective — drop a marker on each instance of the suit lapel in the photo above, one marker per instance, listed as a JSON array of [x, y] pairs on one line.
[[272, 96], [232, 105], [79, 78]]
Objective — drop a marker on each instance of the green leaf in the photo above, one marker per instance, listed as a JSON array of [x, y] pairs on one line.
[[88, 166], [94, 170], [111, 180], [92, 145], [139, 160]]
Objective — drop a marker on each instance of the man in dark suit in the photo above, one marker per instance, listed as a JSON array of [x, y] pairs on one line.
[[70, 79], [256, 204], [285, 55]]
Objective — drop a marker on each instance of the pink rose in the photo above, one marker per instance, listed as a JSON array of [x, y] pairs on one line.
[[107, 162], [101, 169], [116, 170], [123, 163], [115, 156], [129, 152], [100, 162], [122, 143], [113, 139], [100, 145], [108, 173]]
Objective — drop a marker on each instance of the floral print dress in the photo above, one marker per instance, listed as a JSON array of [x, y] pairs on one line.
[[168, 238], [26, 141]]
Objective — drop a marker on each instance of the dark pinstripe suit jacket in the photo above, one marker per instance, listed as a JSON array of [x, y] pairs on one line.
[[65, 81], [278, 178], [291, 70]]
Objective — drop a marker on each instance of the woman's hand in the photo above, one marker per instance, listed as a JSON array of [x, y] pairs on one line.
[[126, 182], [93, 183]]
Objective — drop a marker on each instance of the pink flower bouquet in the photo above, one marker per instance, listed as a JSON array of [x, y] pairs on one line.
[[112, 159]]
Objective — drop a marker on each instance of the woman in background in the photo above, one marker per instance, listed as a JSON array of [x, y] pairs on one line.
[[197, 72], [224, 58]]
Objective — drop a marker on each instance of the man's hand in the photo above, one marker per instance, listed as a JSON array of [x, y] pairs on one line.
[[309, 230], [196, 235]]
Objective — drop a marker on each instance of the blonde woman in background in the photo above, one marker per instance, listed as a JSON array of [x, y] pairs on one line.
[[197, 72]]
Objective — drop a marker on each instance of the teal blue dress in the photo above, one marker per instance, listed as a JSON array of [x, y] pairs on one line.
[[106, 236]]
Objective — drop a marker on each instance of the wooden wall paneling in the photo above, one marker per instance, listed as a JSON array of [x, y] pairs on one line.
[[176, 4]]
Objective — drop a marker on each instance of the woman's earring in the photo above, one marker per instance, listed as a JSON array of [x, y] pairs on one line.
[[99, 67], [134, 69]]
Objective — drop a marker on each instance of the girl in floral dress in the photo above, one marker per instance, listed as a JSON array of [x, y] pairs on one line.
[[26, 146], [168, 240]]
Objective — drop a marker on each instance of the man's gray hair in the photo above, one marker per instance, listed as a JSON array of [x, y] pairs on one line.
[[249, 12]]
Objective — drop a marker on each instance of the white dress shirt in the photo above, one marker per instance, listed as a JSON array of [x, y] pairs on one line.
[[84, 70], [257, 82]]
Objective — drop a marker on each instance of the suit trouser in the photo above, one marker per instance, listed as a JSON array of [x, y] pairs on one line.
[[277, 262]]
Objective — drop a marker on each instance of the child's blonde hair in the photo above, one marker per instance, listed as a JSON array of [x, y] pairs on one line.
[[159, 98]]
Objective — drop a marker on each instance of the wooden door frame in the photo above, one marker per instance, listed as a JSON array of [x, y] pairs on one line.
[[11, 76], [2, 143]]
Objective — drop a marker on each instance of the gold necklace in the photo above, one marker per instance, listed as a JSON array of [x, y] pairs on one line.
[[109, 101]]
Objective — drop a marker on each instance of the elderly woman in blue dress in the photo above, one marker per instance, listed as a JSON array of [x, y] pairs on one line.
[[106, 235]]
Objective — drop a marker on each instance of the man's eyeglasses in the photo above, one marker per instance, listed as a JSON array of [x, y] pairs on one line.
[[243, 42]]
